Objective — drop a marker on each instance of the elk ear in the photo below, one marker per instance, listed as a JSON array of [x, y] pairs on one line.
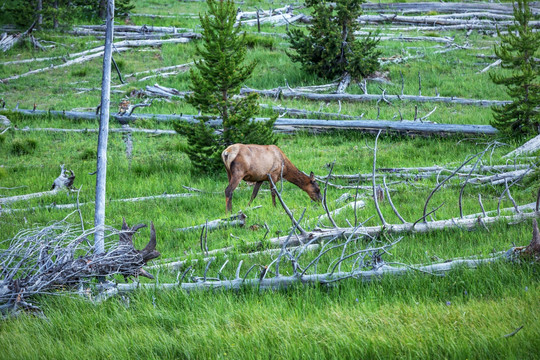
[[312, 176]]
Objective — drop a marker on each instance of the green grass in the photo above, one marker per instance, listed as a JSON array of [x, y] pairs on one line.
[[464, 314]]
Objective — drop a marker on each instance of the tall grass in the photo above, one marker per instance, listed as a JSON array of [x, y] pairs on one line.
[[464, 314]]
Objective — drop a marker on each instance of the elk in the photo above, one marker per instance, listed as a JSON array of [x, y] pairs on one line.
[[255, 162]]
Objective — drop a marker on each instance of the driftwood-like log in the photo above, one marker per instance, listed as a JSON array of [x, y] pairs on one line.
[[282, 282], [527, 148], [291, 125], [438, 21], [235, 220], [288, 94], [63, 181], [374, 231], [8, 41], [119, 46], [444, 7], [74, 206]]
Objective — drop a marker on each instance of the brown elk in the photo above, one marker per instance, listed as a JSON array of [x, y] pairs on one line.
[[255, 162]]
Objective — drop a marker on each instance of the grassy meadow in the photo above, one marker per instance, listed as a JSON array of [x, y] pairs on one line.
[[462, 315]]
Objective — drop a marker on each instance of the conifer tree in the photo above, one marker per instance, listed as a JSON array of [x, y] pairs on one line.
[[218, 77], [517, 51], [330, 49]]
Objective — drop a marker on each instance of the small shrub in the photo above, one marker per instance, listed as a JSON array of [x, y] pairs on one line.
[[266, 42], [80, 72], [23, 146], [88, 154], [121, 64]]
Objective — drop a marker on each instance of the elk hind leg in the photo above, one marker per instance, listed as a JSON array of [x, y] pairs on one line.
[[233, 184], [255, 191]]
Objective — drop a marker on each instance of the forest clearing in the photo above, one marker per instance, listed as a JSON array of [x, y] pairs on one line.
[[425, 242]]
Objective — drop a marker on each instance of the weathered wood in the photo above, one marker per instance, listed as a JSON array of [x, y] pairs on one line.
[[284, 124], [74, 206], [288, 94], [103, 134], [374, 231], [119, 46], [235, 220], [8, 41], [439, 21], [527, 148], [282, 282], [445, 7]]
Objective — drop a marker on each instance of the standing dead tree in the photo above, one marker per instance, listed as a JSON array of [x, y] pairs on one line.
[[45, 260]]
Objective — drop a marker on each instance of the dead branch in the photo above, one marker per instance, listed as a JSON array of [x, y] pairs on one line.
[[46, 260], [63, 181], [8, 41], [235, 220], [73, 206]]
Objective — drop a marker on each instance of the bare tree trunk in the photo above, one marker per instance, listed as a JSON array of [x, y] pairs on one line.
[[55, 14], [99, 217], [103, 9], [40, 15]]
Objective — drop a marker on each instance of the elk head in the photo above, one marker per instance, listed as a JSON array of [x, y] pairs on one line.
[[313, 189]]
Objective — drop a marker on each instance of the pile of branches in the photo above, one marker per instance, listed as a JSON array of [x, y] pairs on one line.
[[60, 257]]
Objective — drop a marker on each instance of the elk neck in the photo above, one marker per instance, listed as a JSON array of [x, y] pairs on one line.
[[295, 176]]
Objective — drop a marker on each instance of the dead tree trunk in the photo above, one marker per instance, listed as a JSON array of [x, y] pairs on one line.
[[99, 217]]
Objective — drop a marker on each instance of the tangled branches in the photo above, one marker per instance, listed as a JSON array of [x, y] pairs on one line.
[[59, 257]]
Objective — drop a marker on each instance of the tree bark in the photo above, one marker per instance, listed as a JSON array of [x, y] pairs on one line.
[[99, 217]]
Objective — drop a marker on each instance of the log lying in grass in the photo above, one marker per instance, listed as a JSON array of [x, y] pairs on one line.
[[8, 41], [63, 181], [235, 220], [374, 231], [288, 94], [444, 7], [74, 206], [291, 125], [438, 21], [119, 46], [527, 148], [507, 172], [140, 29]]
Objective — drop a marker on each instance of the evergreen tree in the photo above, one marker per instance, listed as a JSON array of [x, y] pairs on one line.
[[218, 77], [330, 49], [517, 52]]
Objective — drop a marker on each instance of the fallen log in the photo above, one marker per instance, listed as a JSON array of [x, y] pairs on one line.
[[235, 220], [438, 21], [283, 282], [374, 231], [445, 7], [527, 148], [63, 181], [49, 259], [74, 206], [288, 94], [8, 41], [119, 46], [291, 125]]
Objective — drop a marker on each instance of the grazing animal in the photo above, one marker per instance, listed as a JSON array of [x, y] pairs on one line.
[[254, 163]]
